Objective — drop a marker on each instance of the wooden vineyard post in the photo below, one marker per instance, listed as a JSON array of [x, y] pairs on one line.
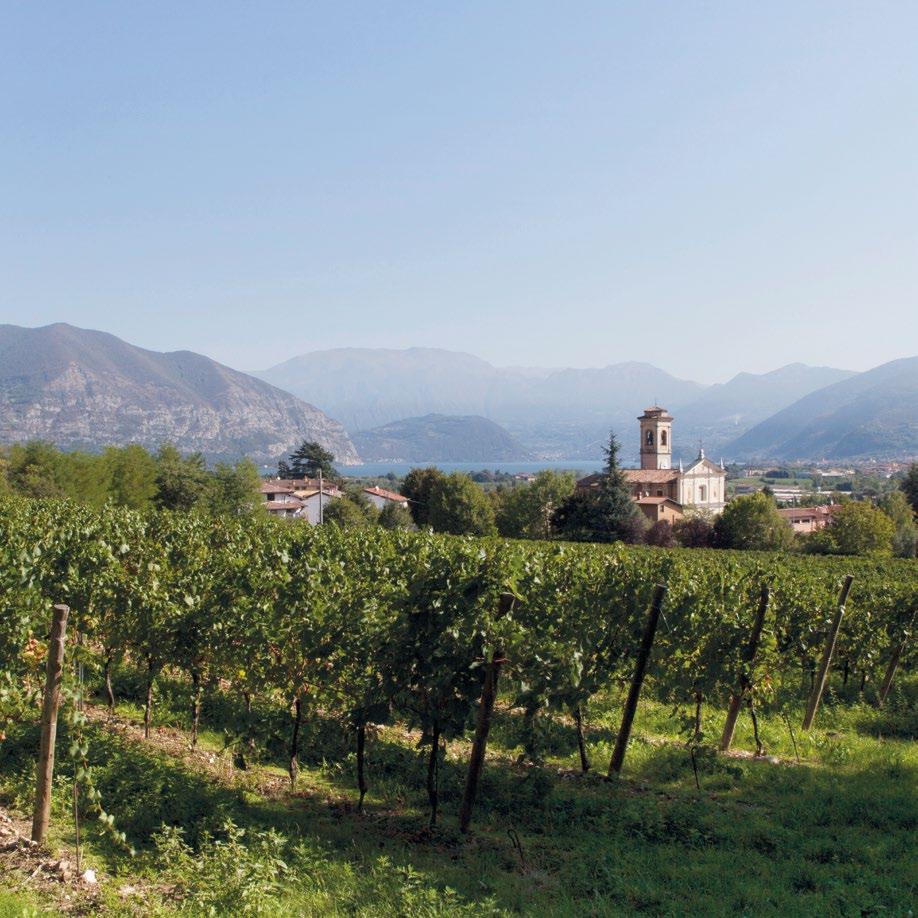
[[483, 724], [752, 647], [52, 699], [823, 674], [650, 630], [890, 674]]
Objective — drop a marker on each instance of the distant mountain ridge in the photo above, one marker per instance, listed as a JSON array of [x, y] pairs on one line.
[[88, 389], [440, 438], [871, 415], [555, 413]]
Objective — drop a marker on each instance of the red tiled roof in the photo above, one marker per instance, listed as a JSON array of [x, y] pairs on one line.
[[658, 500], [657, 476], [388, 495], [283, 504]]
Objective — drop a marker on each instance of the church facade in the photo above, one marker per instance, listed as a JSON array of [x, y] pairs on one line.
[[661, 491]]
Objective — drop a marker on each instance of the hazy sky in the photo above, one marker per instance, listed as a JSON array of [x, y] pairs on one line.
[[706, 186]]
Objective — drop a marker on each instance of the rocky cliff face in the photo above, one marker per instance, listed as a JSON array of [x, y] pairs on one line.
[[87, 389]]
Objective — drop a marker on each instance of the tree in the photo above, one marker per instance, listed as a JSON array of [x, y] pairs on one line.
[[350, 512], [459, 506], [394, 516], [233, 489], [310, 459], [754, 524], [525, 512], [909, 486], [36, 470], [896, 506], [133, 476], [417, 487], [694, 532], [857, 528], [181, 482], [660, 535], [605, 513]]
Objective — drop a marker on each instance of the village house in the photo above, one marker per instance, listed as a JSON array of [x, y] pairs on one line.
[[809, 519], [665, 493], [380, 497], [299, 498]]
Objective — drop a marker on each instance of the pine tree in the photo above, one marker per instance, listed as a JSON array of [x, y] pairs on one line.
[[310, 459], [605, 513]]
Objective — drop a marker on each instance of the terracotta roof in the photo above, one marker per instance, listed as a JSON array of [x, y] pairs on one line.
[[659, 500], [283, 504], [807, 512], [388, 495], [276, 487], [657, 476]]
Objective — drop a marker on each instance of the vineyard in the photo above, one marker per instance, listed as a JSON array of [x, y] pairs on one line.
[[441, 636]]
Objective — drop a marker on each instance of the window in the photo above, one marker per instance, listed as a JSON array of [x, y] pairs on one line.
[[649, 438], [702, 493], [663, 438], [659, 492]]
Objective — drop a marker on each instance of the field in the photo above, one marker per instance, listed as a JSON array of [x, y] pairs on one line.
[[264, 678], [833, 835]]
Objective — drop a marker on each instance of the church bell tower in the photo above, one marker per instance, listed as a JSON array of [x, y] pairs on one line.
[[656, 439]]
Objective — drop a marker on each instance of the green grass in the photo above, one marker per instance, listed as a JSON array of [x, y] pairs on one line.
[[833, 836]]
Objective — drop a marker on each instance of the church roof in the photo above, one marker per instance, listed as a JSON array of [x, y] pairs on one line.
[[657, 476]]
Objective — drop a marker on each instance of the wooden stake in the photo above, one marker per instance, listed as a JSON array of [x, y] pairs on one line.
[[51, 703], [752, 647], [890, 674], [483, 725], [650, 630], [819, 687]]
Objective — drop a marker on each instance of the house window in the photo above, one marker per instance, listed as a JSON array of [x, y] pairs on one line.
[[663, 438], [702, 493], [659, 492]]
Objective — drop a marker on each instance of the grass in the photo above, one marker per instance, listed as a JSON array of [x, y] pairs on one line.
[[832, 836]]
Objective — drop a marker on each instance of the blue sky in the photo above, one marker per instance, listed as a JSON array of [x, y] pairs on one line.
[[709, 187]]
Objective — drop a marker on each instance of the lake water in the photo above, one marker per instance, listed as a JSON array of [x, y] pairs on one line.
[[379, 469]]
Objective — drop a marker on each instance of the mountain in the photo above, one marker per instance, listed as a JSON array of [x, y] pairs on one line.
[[440, 438], [89, 389], [556, 413], [873, 414], [725, 410]]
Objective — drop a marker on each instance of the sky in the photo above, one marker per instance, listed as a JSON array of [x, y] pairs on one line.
[[709, 187]]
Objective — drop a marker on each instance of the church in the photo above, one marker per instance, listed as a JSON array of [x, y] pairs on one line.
[[665, 493]]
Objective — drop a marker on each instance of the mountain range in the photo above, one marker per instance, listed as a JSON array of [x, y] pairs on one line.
[[89, 389], [440, 438], [567, 413]]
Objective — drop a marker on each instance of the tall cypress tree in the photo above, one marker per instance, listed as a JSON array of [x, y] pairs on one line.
[[605, 513]]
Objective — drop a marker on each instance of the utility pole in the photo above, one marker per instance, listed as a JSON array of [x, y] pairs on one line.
[[321, 507]]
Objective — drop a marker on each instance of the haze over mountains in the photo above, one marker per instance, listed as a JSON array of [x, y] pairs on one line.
[[567, 413], [89, 389]]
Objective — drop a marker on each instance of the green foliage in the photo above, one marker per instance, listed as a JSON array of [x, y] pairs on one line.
[[180, 480], [133, 477], [857, 528], [525, 512], [909, 486], [308, 460], [459, 507], [353, 511], [394, 516], [905, 540], [604, 513], [234, 489], [418, 487], [752, 523]]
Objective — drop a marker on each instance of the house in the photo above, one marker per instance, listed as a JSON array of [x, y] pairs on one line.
[[809, 519], [298, 498], [380, 497], [660, 509], [702, 487]]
